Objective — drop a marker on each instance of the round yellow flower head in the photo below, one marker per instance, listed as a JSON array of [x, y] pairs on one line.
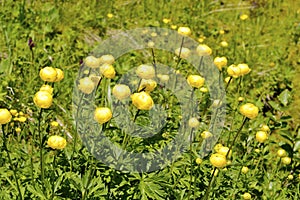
[[150, 44], [109, 15], [224, 44], [261, 136], [147, 85], [246, 196], [281, 153], [21, 119], [286, 160], [102, 115], [234, 71], [249, 110], [218, 160], [221, 32], [220, 62], [206, 134], [203, 50], [195, 81], [108, 59], [290, 177], [48, 74], [18, 130], [108, 71], [204, 89], [13, 112], [193, 122], [92, 62], [43, 99], [121, 91], [265, 128], [173, 27], [86, 85], [184, 31], [142, 101], [244, 17], [217, 147], [59, 75], [47, 88], [5, 116], [166, 20], [184, 53], [54, 124], [163, 77], [56, 142], [244, 69], [145, 71], [224, 150], [240, 99], [245, 170], [198, 161]]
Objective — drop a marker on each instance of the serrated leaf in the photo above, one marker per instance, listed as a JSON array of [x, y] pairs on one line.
[[285, 97]]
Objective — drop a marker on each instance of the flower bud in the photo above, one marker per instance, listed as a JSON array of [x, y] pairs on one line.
[[220, 62], [142, 101], [224, 150], [56, 142], [244, 69], [92, 62], [249, 110], [261, 136], [203, 50], [59, 75], [246, 196], [195, 81], [198, 161], [234, 71], [48, 74], [286, 160], [121, 91], [184, 31], [145, 71], [206, 134], [102, 115], [43, 99], [108, 71], [86, 85], [281, 153], [245, 170], [5, 116], [184, 52], [47, 88], [147, 85], [244, 17], [13, 112], [108, 59], [218, 160], [265, 128], [193, 122]]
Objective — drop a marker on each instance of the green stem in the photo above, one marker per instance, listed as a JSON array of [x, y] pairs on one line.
[[11, 164], [41, 146], [191, 160], [212, 178]]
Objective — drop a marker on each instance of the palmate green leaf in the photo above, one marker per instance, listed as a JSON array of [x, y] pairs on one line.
[[285, 97], [151, 190], [37, 191]]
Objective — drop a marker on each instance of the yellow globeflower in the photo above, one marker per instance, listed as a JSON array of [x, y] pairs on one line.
[[166, 20], [48, 74], [121, 91], [173, 27], [265, 128], [234, 71], [184, 52], [13, 112], [261, 136], [145, 71], [224, 150], [224, 44], [203, 50], [217, 147], [92, 62], [108, 71], [54, 124], [102, 115], [147, 85], [43, 99], [56, 142], [142, 101], [249, 110], [60, 75], [86, 85], [109, 15], [193, 122], [206, 134], [286, 160], [244, 69], [198, 161], [185, 31], [281, 153], [245, 170], [244, 17], [220, 62], [218, 160], [47, 88], [246, 196], [108, 59], [195, 81], [5, 116]]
